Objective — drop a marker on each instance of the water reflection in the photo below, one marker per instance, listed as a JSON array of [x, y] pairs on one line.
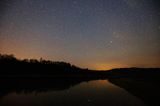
[[65, 92]]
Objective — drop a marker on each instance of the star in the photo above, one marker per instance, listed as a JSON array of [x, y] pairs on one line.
[[111, 41]]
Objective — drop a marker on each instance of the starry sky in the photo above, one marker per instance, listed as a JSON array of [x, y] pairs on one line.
[[98, 34]]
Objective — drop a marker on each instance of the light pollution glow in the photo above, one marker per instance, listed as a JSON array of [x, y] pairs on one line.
[[94, 34]]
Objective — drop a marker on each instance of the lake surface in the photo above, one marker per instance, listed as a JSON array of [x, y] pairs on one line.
[[85, 93]]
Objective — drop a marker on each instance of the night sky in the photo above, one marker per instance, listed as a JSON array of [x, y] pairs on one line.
[[98, 34]]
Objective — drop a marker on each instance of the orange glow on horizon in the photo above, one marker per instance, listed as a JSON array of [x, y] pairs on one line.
[[108, 66], [92, 66]]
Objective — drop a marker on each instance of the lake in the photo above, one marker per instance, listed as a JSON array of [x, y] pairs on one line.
[[81, 93]]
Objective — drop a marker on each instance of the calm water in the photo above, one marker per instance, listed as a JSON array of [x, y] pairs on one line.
[[91, 93]]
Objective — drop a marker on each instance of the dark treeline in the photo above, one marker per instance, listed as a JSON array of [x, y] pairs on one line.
[[11, 60], [11, 66]]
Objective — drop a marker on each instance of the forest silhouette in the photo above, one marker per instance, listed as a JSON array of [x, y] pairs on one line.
[[13, 67], [32, 75]]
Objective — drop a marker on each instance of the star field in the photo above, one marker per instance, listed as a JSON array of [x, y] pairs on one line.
[[98, 34]]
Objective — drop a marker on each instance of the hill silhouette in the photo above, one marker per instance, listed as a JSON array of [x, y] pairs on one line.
[[13, 67], [10, 66], [31, 75]]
